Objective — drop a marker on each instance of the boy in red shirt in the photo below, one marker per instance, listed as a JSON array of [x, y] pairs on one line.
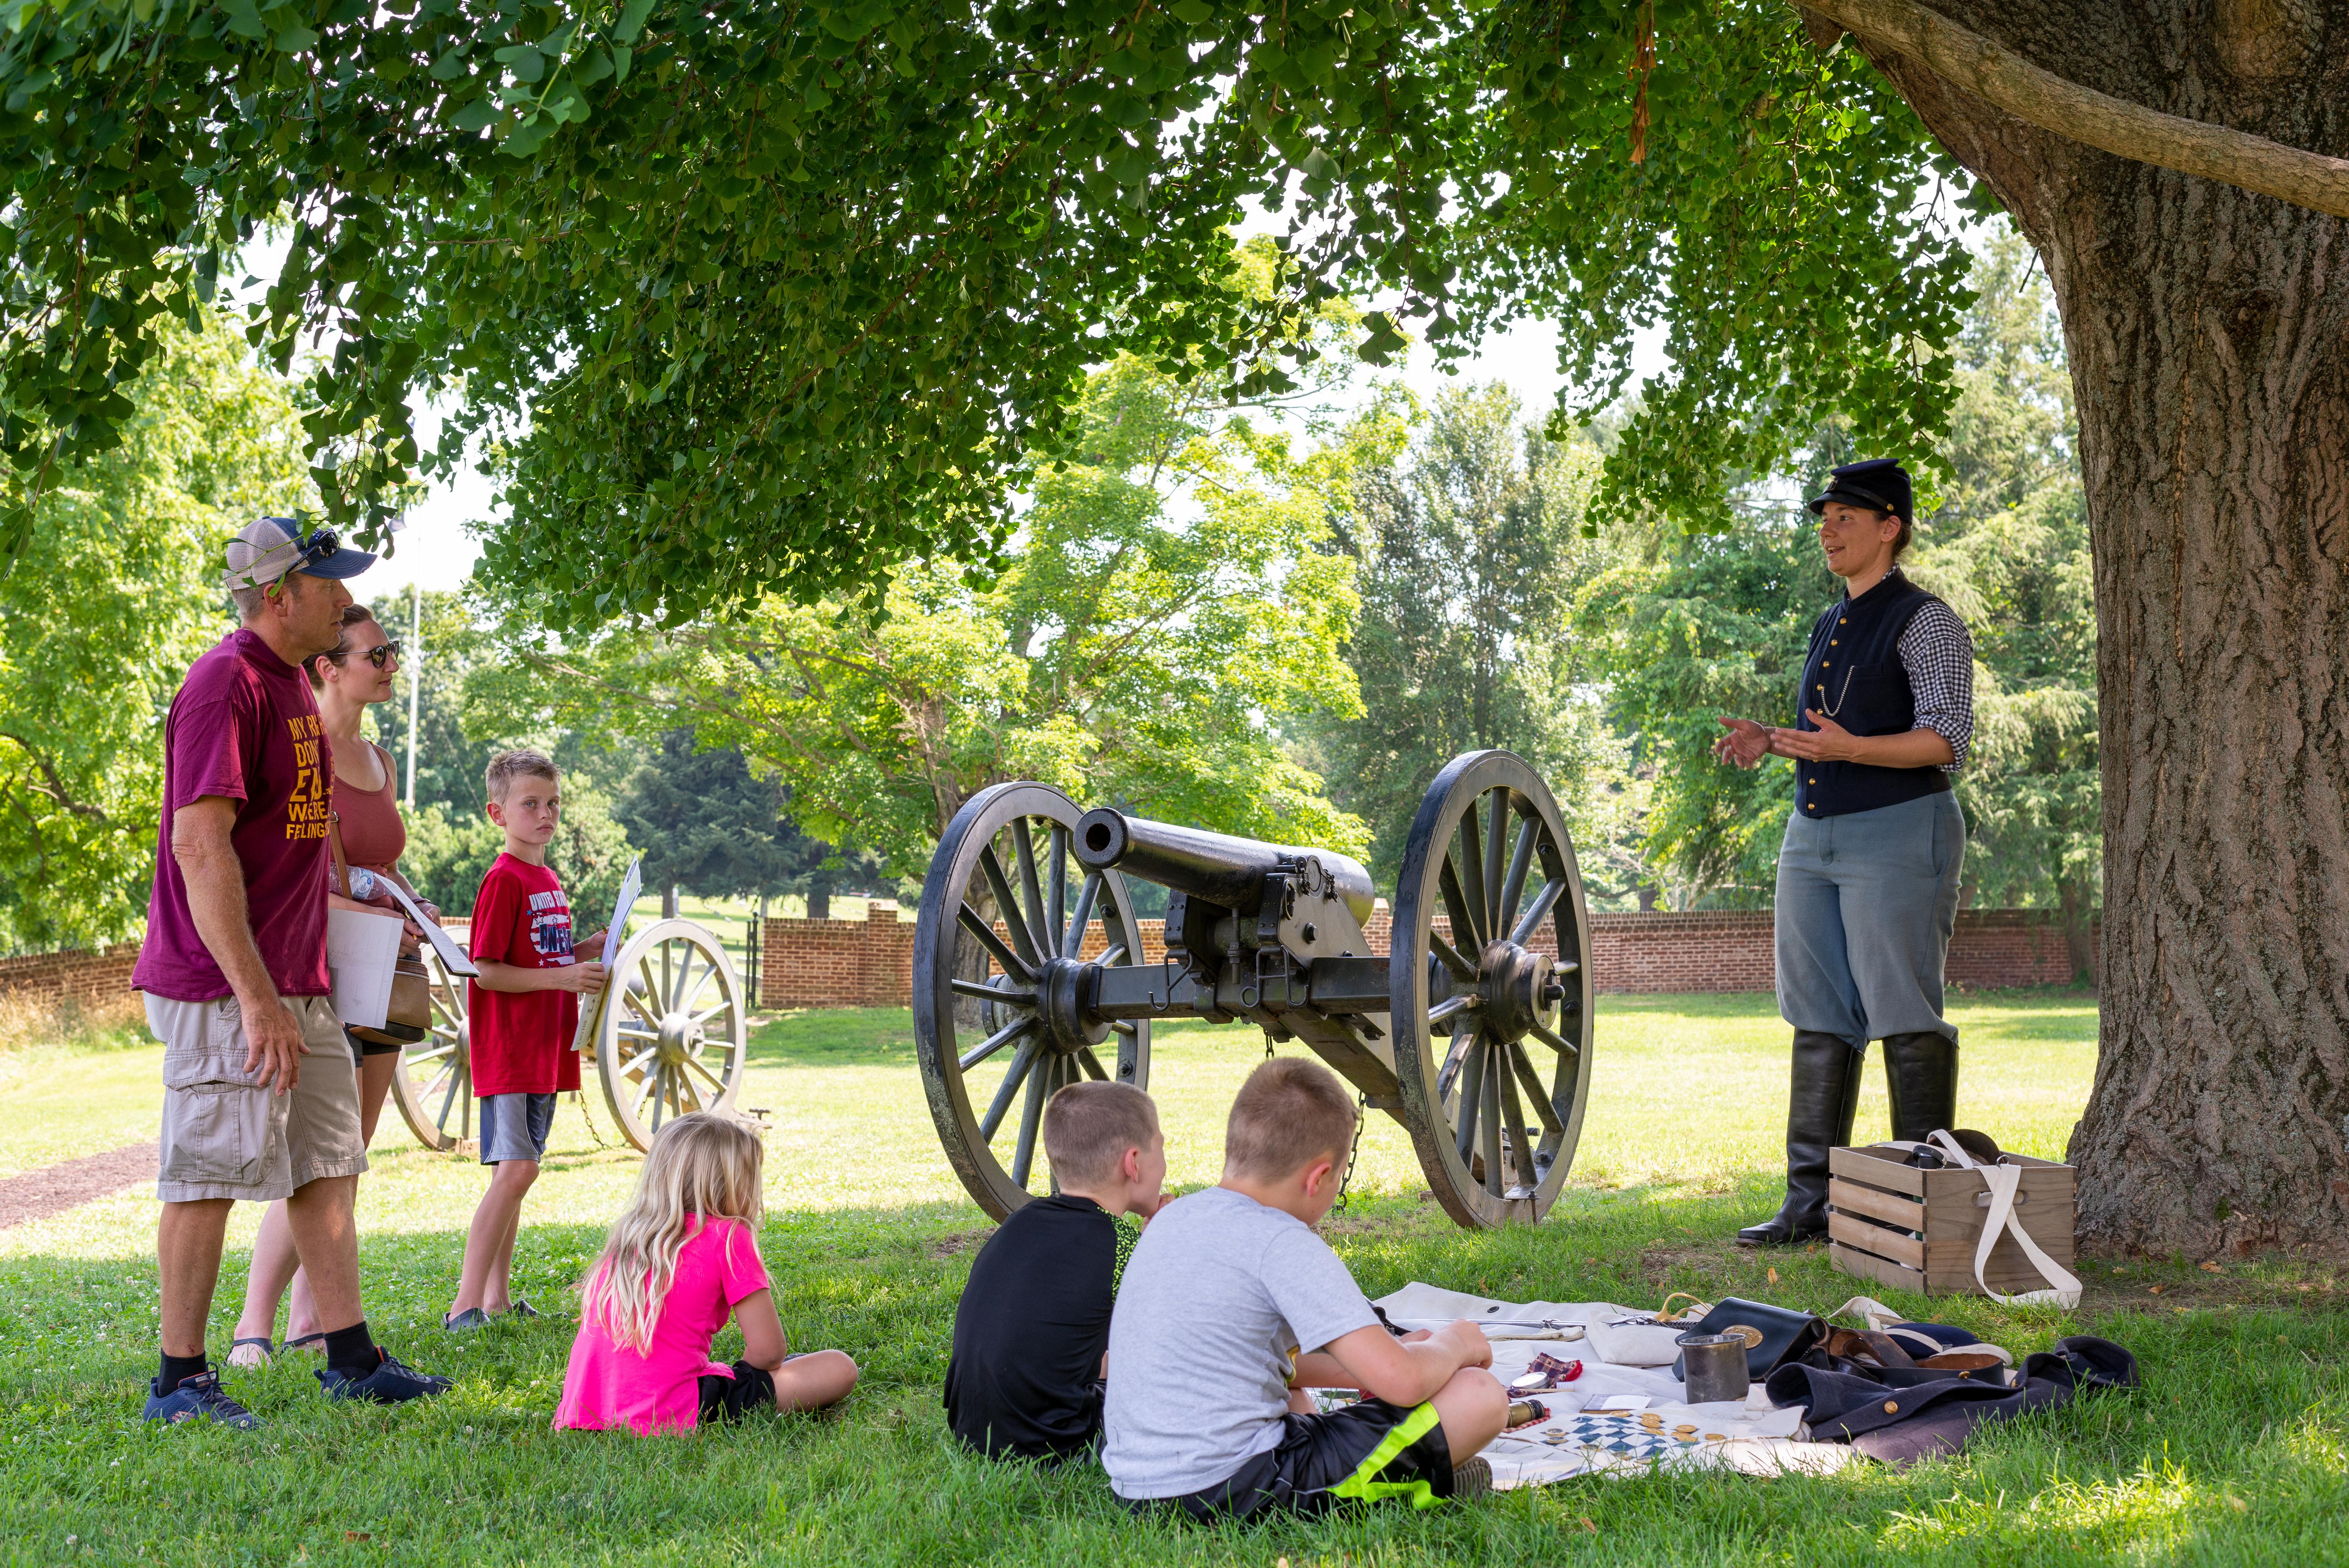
[[524, 1010]]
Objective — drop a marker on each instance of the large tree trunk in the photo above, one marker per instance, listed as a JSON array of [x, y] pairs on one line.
[[2209, 335]]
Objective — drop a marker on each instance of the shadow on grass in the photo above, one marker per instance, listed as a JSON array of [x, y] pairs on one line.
[[2233, 1452]]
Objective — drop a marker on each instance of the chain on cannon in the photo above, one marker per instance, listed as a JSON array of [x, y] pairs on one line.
[[1473, 1030]]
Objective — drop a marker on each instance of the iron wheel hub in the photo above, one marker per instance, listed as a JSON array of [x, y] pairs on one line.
[[1064, 994], [1517, 989]]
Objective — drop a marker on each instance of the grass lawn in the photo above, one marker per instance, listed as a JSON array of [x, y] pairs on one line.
[[2235, 1452]]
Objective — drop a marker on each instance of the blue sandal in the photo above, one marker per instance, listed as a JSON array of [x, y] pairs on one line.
[[250, 1363]]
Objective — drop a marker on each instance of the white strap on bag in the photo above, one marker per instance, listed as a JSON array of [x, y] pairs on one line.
[[1872, 1312], [2003, 1180]]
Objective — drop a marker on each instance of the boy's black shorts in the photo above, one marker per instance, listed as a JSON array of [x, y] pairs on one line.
[[1363, 1453], [728, 1398]]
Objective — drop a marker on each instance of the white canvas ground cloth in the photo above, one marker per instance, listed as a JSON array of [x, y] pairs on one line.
[[1753, 1438]]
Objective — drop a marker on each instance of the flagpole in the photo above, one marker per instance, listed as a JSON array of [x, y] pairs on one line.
[[415, 675]]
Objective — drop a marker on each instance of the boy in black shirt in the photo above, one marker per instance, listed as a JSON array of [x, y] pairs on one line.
[[1031, 1332]]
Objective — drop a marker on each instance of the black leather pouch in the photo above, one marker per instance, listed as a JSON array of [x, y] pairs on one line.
[[1773, 1335]]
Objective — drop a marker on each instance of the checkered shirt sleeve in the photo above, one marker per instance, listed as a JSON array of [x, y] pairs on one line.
[[1938, 652]]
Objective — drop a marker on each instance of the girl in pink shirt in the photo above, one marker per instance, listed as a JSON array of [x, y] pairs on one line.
[[682, 1257]]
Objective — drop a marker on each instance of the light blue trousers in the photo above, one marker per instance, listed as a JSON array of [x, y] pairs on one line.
[[1865, 905]]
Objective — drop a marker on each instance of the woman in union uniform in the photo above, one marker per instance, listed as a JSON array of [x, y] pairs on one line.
[[1868, 875]]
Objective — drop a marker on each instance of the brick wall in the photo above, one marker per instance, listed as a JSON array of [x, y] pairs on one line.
[[2011, 947], [866, 963], [869, 962], [44, 979]]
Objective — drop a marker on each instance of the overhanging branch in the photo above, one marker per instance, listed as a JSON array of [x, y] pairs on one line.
[[1999, 76]]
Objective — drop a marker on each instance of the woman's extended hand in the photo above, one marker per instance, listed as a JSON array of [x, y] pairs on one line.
[[1830, 742], [1746, 744]]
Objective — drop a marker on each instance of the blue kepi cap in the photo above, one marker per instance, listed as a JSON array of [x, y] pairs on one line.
[[1879, 484]]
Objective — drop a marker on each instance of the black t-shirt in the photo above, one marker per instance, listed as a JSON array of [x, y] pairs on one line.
[[1030, 1331]]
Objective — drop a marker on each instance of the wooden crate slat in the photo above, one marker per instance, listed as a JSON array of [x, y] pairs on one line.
[[2007, 1259], [1851, 1198], [1963, 1221], [1949, 1206], [1877, 1171], [1900, 1248], [1884, 1270]]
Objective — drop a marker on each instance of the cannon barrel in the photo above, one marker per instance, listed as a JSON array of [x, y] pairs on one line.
[[1217, 867]]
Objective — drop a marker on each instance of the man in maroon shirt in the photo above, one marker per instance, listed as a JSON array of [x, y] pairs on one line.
[[235, 972]]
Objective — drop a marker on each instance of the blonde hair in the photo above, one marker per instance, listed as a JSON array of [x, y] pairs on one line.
[[508, 766], [1290, 1113], [701, 1167], [1087, 1128]]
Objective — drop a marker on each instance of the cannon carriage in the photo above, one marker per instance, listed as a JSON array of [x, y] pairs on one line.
[[1473, 1030]]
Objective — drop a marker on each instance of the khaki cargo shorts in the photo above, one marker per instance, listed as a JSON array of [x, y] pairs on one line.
[[224, 1134]]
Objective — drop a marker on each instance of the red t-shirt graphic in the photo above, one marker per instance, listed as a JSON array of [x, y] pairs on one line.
[[522, 1039]]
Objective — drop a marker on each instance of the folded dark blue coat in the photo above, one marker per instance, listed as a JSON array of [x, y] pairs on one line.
[[1902, 1414]]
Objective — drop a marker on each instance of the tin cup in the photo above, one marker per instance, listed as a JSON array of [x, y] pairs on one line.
[[1715, 1366]]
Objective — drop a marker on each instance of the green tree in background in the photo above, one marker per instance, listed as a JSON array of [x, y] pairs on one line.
[[450, 839], [1707, 625], [1719, 624], [2009, 550], [449, 762], [121, 595], [1469, 550], [1125, 653], [710, 826]]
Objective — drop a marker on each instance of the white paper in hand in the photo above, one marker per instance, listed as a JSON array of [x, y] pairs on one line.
[[453, 958], [590, 1009]]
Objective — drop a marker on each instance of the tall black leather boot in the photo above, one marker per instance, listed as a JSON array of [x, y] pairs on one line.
[[1920, 1074], [1820, 1113]]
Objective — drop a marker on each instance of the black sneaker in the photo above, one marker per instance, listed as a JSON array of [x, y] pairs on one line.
[[466, 1321], [1471, 1479], [199, 1398], [392, 1382]]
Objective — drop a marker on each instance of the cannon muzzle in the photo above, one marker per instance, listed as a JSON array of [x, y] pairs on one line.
[[1215, 867]]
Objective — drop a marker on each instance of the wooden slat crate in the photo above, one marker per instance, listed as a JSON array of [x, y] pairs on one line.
[[1917, 1229]]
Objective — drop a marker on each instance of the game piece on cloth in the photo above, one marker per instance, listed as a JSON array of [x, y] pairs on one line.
[[1544, 1373], [1756, 1438]]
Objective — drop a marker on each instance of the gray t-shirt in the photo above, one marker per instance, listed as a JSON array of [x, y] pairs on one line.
[[1220, 1295]]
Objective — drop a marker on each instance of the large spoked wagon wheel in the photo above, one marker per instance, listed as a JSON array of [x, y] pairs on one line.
[[999, 1014], [1491, 1010], [434, 1084], [672, 1032]]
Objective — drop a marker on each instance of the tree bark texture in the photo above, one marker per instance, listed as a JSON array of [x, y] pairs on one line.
[[2209, 335]]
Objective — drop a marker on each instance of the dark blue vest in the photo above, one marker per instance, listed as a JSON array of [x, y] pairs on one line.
[[1854, 676]]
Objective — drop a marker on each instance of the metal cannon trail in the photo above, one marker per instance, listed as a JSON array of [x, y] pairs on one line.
[[1468, 1032]]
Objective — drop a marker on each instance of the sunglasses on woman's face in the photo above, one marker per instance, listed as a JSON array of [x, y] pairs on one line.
[[377, 656]]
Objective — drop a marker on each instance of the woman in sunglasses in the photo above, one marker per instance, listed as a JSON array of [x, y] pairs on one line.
[[360, 671]]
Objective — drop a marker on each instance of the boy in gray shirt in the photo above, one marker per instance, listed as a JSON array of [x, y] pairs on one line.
[[1231, 1307]]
